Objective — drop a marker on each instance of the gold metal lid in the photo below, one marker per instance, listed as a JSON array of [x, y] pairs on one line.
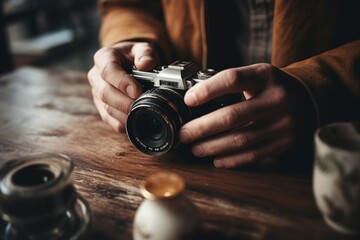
[[162, 185]]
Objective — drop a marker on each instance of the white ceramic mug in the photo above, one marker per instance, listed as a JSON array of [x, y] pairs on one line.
[[336, 177]]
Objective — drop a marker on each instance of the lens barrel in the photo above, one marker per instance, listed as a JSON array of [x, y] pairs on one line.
[[155, 119]]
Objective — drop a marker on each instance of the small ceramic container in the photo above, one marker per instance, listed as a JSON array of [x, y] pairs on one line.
[[165, 213], [38, 200], [336, 177]]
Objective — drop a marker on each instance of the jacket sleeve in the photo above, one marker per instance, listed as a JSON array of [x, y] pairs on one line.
[[133, 20], [332, 79]]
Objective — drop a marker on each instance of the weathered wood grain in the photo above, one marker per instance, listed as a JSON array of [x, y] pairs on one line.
[[52, 111]]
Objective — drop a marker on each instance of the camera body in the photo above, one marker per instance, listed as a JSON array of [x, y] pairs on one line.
[[157, 115]]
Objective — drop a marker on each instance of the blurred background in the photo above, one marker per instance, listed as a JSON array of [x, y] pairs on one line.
[[60, 34]]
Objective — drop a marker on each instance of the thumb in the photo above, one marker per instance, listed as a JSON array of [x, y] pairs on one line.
[[145, 56]]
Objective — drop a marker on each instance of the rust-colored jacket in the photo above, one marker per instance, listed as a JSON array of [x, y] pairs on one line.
[[317, 42]]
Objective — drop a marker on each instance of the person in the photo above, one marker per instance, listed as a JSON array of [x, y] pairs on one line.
[[296, 62]]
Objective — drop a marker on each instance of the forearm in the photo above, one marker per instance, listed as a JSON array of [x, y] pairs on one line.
[[332, 80]]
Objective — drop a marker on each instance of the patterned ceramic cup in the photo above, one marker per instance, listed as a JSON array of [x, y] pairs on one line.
[[336, 179]]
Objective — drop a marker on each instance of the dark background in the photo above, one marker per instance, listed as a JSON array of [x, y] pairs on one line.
[[60, 34]]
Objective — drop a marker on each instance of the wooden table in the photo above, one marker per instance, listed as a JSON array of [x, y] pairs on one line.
[[52, 111]]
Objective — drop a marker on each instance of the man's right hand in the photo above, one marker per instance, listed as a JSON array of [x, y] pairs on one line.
[[113, 89]]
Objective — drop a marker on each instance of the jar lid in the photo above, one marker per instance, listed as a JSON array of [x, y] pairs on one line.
[[162, 185]]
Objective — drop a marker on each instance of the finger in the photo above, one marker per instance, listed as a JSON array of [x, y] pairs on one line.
[[270, 148], [261, 108], [108, 94], [145, 56], [249, 78], [111, 63], [111, 116], [242, 138], [121, 116]]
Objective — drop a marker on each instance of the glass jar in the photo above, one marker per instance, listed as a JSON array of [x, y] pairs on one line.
[[38, 200], [165, 213]]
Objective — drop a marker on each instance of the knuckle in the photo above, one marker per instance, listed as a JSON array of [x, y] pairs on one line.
[[107, 108], [209, 149], [110, 110], [251, 156], [204, 91], [198, 130], [230, 118], [230, 77], [111, 74], [240, 140], [121, 82], [103, 96], [107, 69], [264, 69]]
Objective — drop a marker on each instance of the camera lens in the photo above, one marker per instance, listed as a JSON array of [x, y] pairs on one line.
[[152, 128], [155, 119], [156, 130]]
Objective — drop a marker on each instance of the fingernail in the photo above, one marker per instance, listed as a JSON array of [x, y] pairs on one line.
[[130, 91], [219, 164], [145, 58], [198, 150], [184, 136]]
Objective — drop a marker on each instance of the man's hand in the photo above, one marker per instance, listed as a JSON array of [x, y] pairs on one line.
[[265, 125], [113, 89]]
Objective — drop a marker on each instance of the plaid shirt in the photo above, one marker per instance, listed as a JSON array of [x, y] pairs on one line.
[[240, 32], [261, 25]]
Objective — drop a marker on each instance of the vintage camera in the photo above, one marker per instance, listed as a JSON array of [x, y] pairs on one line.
[[157, 115]]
